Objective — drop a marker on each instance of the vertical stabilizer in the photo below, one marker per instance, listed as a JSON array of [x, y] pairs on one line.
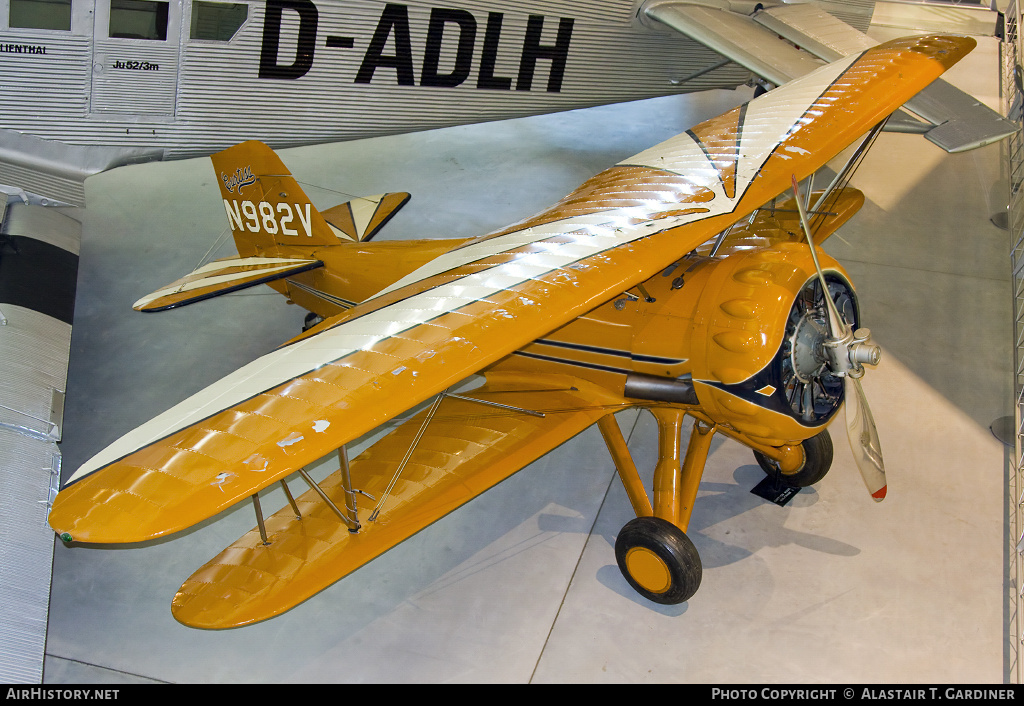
[[265, 205]]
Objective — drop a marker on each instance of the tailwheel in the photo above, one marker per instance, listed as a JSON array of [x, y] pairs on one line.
[[658, 560], [817, 462], [310, 321]]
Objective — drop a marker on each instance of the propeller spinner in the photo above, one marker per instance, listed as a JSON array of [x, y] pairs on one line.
[[847, 352]]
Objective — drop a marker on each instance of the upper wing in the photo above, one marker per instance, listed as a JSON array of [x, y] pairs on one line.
[[956, 121], [482, 301]]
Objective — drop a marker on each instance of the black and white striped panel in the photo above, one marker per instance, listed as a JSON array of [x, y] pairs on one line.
[[38, 271]]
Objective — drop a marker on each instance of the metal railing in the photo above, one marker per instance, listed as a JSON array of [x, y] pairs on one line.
[[1012, 90]]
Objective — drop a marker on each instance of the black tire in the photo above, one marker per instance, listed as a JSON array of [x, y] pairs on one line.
[[667, 564], [817, 462], [310, 321]]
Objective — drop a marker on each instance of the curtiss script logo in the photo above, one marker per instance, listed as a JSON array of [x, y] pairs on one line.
[[242, 177]]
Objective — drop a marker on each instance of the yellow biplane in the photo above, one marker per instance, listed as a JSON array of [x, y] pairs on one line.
[[684, 280]]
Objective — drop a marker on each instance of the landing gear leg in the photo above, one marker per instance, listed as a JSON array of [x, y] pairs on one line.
[[653, 552], [817, 453]]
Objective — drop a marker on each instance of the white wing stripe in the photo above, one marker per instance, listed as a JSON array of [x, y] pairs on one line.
[[495, 246], [285, 364]]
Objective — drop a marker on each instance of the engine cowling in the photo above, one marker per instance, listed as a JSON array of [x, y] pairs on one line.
[[759, 364], [757, 322]]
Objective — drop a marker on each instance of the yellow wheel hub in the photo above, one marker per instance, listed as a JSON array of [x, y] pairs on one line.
[[648, 570]]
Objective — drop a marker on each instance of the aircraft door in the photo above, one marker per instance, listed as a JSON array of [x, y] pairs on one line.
[[135, 63]]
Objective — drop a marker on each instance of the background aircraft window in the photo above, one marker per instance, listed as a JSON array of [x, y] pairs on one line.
[[41, 14], [217, 21], [138, 19]]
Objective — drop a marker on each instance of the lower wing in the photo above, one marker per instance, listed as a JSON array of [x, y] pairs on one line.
[[468, 445]]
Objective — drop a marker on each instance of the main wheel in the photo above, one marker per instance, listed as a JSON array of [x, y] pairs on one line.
[[658, 560], [817, 462]]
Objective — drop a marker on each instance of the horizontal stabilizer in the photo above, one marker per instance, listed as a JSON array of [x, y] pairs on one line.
[[361, 219], [220, 277], [467, 447]]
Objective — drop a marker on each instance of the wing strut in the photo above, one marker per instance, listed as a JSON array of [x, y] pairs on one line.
[[423, 427], [291, 499], [346, 483], [509, 407], [408, 454], [352, 525], [259, 511], [259, 518], [846, 173]]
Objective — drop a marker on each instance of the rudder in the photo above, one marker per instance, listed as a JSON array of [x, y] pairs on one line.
[[265, 206]]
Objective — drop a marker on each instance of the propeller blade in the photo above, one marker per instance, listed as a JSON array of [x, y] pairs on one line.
[[860, 425], [867, 451]]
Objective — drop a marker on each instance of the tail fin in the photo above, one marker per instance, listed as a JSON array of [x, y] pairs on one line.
[[265, 205]]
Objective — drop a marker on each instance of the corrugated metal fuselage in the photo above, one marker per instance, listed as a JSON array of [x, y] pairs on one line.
[[304, 71]]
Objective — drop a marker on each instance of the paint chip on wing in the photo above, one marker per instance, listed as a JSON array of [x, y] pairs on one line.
[[256, 463], [292, 438], [320, 425], [221, 479], [398, 370]]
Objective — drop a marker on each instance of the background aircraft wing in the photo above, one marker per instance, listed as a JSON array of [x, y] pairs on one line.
[[466, 448], [736, 37], [482, 301], [763, 43]]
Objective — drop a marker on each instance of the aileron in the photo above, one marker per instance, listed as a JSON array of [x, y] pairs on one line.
[[736, 37]]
